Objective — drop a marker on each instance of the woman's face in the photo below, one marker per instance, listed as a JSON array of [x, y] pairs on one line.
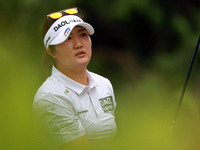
[[75, 52]]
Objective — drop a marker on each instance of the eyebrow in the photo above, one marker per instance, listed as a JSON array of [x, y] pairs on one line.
[[82, 29]]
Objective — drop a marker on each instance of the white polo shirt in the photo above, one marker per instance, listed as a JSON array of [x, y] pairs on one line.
[[65, 110]]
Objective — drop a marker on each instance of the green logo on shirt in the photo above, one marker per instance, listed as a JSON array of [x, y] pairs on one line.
[[107, 103], [66, 92]]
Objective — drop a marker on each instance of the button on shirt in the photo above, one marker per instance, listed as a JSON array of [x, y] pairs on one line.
[[65, 110]]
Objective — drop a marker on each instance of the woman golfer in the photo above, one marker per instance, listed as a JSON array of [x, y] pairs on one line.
[[74, 108]]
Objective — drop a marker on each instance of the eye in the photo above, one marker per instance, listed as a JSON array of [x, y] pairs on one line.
[[83, 34], [69, 38]]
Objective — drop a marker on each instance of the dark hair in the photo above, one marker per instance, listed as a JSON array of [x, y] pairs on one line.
[[48, 61]]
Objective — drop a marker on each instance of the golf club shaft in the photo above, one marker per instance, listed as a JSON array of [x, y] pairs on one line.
[[185, 85]]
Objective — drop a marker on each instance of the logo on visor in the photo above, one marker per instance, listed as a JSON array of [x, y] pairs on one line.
[[63, 23], [67, 31]]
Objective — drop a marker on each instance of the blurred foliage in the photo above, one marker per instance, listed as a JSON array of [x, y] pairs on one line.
[[143, 46]]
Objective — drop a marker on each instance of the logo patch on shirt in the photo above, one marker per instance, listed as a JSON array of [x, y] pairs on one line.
[[66, 92], [107, 103]]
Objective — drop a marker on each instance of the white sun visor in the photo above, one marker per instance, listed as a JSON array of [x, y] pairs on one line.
[[61, 28]]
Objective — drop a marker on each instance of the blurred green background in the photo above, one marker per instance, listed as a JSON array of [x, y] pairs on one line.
[[143, 46]]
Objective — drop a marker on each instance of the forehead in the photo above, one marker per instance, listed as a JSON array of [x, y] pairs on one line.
[[78, 29]]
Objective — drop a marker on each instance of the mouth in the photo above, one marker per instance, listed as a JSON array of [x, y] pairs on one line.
[[80, 54]]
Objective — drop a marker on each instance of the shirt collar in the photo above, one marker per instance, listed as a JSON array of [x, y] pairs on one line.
[[71, 84]]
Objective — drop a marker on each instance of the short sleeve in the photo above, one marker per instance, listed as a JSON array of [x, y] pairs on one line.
[[110, 87], [60, 120]]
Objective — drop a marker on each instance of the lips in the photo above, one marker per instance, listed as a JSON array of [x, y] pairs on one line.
[[80, 53]]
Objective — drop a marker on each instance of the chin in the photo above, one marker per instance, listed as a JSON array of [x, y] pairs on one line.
[[83, 63]]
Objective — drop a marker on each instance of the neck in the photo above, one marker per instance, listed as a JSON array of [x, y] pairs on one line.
[[79, 76]]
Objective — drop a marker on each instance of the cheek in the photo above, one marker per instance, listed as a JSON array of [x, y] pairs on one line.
[[89, 43], [62, 49], [90, 47]]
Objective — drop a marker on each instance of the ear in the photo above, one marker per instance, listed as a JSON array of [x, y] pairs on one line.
[[50, 52]]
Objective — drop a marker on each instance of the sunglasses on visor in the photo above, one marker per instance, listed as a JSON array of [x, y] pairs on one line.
[[56, 15]]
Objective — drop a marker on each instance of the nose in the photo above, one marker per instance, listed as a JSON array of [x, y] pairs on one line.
[[77, 43]]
